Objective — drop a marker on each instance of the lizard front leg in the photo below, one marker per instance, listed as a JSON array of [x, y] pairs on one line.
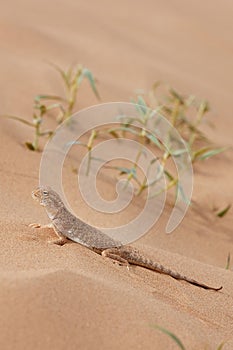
[[36, 225], [60, 241], [61, 238]]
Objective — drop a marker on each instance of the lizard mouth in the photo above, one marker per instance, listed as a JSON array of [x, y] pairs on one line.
[[36, 194]]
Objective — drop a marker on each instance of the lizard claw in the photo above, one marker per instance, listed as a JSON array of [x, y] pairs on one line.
[[41, 226], [60, 241], [35, 225]]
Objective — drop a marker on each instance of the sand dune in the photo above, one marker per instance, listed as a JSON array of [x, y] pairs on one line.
[[78, 304], [69, 297]]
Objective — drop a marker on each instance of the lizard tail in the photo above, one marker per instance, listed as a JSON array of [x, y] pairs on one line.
[[151, 265]]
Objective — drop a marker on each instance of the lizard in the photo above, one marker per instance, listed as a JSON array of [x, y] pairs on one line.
[[69, 227]]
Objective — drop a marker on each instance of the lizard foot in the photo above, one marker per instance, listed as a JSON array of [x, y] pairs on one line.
[[116, 258], [36, 225], [61, 241]]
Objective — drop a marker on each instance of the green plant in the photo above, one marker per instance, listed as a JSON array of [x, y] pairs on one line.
[[228, 261], [72, 79], [36, 125], [172, 336], [64, 106], [177, 340], [221, 213], [186, 114]]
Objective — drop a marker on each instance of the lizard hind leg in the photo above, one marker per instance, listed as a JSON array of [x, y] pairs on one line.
[[111, 253]]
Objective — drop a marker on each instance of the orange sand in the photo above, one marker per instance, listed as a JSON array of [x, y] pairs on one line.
[[69, 297]]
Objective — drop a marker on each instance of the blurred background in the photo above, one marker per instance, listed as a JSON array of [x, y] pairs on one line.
[[128, 45]]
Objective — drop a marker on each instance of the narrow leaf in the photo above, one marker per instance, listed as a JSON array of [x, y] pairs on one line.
[[87, 74], [224, 211], [154, 139], [200, 152], [71, 143], [220, 347], [102, 161], [156, 85], [62, 73], [178, 152], [30, 146], [211, 153], [204, 107], [154, 160], [53, 106], [141, 102], [176, 95], [123, 170], [228, 261], [113, 133], [130, 130], [48, 97], [169, 176], [18, 119], [181, 194], [47, 133], [172, 336]]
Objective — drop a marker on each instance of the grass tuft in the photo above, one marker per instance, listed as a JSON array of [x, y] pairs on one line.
[[64, 106], [185, 113], [228, 261], [224, 211], [172, 336], [177, 340]]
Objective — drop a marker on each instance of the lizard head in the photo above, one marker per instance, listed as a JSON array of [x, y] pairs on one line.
[[47, 197]]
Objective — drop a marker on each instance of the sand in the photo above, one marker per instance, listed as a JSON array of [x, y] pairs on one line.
[[69, 297]]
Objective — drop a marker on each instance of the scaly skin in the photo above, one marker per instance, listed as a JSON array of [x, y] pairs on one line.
[[67, 226]]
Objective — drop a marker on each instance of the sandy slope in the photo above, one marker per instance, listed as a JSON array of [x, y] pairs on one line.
[[69, 297]]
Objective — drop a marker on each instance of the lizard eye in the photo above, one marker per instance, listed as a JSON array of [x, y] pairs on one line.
[[45, 193]]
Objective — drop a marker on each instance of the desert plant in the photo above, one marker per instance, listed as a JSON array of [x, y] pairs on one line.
[[72, 80], [178, 341], [221, 213], [228, 261], [186, 114], [64, 106]]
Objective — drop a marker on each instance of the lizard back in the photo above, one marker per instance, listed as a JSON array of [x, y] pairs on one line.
[[78, 231]]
